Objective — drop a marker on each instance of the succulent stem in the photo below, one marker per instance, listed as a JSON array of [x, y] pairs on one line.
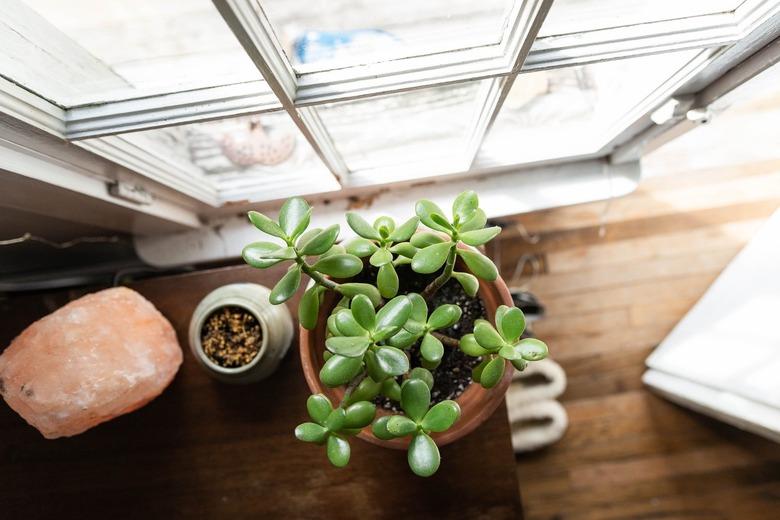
[[446, 340], [445, 275]]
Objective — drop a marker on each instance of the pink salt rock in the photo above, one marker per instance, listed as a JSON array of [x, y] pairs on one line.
[[98, 357]]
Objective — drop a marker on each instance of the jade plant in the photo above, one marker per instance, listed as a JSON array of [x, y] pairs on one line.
[[372, 330]]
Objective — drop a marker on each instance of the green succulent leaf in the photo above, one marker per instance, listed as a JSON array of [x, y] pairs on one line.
[[465, 205], [487, 337], [339, 266], [532, 349], [360, 226], [352, 289], [306, 236], [255, 254], [336, 420], [373, 368], [441, 416], [426, 238], [470, 347], [440, 220], [332, 328], [310, 432], [423, 455], [347, 325], [419, 307], [379, 428], [321, 242], [404, 249], [319, 408], [336, 249], [361, 247], [352, 347], [405, 231], [510, 322], [387, 281], [394, 313], [294, 217], [510, 352], [476, 373], [363, 312], [480, 236], [339, 370], [492, 372], [480, 265], [423, 375], [367, 390], [478, 221], [444, 316], [309, 307], [431, 349], [392, 361], [266, 225], [360, 414], [425, 209], [283, 253], [381, 257], [520, 364], [385, 226], [415, 398], [338, 451], [400, 426], [286, 287], [403, 338], [431, 258], [468, 281], [391, 389]]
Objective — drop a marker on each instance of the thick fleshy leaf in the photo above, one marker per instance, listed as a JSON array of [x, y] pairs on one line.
[[415, 398], [255, 254], [520, 364], [283, 253], [286, 287], [310, 432], [339, 266], [360, 226], [403, 339], [322, 241], [405, 231], [381, 257], [347, 325], [375, 371], [510, 352], [352, 289], [442, 221], [387, 281], [480, 236], [431, 258], [336, 420], [332, 328], [379, 428], [478, 221], [465, 205], [339, 370], [419, 307], [492, 372], [394, 313], [365, 391], [338, 451], [431, 349], [479, 265], [360, 414], [441, 416], [487, 337], [400, 426], [363, 312], [294, 217], [405, 249], [476, 373], [469, 346], [532, 349], [319, 408], [468, 281], [444, 316], [361, 247], [426, 238], [422, 374], [306, 236], [511, 323], [309, 307], [265, 224], [336, 249], [426, 208], [391, 389], [385, 226], [348, 346], [423, 455], [392, 361]]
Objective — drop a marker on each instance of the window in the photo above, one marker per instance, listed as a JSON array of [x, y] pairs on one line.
[[243, 101]]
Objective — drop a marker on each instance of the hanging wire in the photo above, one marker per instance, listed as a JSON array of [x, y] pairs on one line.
[[29, 237]]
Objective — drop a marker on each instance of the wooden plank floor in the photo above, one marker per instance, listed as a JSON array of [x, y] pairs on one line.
[[610, 299]]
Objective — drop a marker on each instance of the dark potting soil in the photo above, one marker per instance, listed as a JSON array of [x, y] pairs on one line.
[[453, 375], [231, 336]]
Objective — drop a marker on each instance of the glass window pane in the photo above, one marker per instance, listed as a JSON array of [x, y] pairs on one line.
[[409, 127], [127, 49], [325, 34], [573, 16], [573, 111]]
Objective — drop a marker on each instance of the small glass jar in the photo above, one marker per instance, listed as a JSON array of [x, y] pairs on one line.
[[276, 325]]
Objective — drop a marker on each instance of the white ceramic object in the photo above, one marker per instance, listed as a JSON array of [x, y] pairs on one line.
[[275, 322]]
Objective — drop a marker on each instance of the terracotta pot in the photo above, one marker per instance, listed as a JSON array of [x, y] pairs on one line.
[[476, 403]]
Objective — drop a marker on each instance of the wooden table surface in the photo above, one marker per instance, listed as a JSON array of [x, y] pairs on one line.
[[204, 449]]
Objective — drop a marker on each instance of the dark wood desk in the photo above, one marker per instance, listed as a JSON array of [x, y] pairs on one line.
[[208, 450]]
